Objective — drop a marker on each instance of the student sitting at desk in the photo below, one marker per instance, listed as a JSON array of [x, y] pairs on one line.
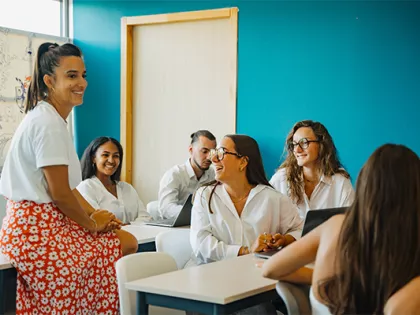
[[312, 175], [368, 260], [101, 186], [183, 180], [237, 214]]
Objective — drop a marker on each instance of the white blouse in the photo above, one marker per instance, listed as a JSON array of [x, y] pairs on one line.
[[127, 207], [331, 192], [41, 140], [221, 234]]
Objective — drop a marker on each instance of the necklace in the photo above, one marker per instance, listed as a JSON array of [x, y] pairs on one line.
[[240, 199]]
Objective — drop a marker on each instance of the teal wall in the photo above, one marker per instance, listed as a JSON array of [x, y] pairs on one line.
[[353, 65]]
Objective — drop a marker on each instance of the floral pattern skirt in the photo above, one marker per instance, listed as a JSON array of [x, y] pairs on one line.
[[62, 267]]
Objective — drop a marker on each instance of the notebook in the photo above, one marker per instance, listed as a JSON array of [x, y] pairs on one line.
[[182, 219]]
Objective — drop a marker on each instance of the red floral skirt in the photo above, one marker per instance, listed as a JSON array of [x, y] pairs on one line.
[[62, 267]]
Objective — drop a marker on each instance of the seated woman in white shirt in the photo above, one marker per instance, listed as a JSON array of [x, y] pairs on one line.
[[240, 212], [368, 260], [101, 185], [312, 175]]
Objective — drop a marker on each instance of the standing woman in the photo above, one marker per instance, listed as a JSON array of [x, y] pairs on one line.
[[312, 175], [64, 250]]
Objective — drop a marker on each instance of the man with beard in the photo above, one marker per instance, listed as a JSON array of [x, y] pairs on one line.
[[183, 180]]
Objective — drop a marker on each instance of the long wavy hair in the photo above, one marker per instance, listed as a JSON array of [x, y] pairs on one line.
[[328, 161], [255, 174], [378, 246]]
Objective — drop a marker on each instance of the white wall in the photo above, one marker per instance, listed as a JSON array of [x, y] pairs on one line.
[[2, 209]]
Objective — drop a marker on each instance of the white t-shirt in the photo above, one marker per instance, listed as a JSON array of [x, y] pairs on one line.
[[220, 235], [42, 139], [127, 207], [176, 185], [331, 192]]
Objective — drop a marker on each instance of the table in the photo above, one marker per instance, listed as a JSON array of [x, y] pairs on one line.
[[222, 287], [146, 234]]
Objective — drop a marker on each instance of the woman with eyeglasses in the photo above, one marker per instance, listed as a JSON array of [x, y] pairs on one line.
[[240, 212], [312, 175]]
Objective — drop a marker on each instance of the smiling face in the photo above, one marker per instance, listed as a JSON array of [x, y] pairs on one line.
[[231, 167], [107, 159], [306, 157], [68, 84]]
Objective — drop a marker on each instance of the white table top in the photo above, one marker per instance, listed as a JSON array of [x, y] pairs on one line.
[[221, 282], [4, 263], [146, 233]]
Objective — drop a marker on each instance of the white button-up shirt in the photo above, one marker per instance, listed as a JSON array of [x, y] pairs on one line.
[[330, 192], [176, 185], [220, 235], [127, 207]]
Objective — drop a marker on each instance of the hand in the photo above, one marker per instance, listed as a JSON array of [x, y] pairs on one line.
[[102, 218], [244, 250], [113, 225], [261, 244], [277, 241]]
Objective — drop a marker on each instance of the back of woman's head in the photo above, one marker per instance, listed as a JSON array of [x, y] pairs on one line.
[[248, 147], [47, 59], [89, 168], [328, 160], [378, 247]]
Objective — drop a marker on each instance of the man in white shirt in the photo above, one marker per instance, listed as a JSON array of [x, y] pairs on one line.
[[183, 180]]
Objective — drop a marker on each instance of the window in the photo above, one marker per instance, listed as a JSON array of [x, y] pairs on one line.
[[38, 16]]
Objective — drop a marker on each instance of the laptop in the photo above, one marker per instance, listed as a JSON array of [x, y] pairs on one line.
[[313, 219], [182, 219]]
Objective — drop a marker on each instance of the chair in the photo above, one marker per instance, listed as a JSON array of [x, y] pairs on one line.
[[153, 209], [295, 297], [176, 243], [138, 266]]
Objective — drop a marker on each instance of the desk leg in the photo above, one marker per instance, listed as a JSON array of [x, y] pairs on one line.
[[218, 309], [2, 295], [142, 306]]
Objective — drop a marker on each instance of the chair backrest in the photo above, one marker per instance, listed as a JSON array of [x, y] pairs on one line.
[[176, 243], [138, 266], [295, 297]]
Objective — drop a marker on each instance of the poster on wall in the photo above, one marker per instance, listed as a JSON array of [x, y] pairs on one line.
[[17, 56]]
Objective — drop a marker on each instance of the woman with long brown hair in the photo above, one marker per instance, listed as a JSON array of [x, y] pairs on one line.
[[364, 257], [312, 174], [63, 250]]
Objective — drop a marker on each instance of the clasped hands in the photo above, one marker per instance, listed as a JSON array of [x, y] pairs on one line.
[[105, 220], [267, 242]]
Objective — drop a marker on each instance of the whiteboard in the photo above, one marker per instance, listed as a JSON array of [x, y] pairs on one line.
[[184, 79], [17, 56]]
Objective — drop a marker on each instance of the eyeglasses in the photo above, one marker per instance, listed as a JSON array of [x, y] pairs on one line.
[[220, 154], [303, 143]]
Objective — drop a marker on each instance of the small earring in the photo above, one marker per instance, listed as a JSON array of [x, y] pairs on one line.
[[93, 165]]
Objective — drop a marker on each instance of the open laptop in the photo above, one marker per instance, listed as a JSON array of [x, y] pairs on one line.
[[182, 219], [313, 219]]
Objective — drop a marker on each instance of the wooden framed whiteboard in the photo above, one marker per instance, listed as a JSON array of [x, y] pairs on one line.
[[178, 75]]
